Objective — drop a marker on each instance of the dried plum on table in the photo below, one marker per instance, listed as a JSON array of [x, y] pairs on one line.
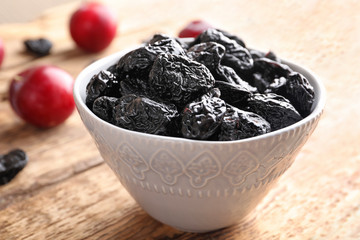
[[11, 164], [40, 47]]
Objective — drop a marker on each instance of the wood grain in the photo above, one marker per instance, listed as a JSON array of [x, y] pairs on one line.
[[67, 192]]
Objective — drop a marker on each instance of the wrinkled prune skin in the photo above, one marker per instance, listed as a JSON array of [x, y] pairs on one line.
[[226, 74], [103, 107], [178, 79], [157, 37], [265, 71], [11, 164], [169, 45], [112, 70], [297, 89], [201, 119], [103, 83], [256, 54], [233, 94], [134, 85], [134, 67], [144, 115], [40, 47], [274, 108], [208, 53], [238, 124], [214, 92], [236, 56], [161, 36], [139, 61], [232, 37]]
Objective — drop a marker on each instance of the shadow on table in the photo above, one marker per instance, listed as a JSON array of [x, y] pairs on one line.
[[137, 224]]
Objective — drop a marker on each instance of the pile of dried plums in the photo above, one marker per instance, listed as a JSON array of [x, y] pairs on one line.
[[212, 87]]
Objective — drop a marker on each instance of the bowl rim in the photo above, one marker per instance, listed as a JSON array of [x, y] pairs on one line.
[[111, 59]]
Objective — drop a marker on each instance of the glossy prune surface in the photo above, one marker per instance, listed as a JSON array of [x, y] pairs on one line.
[[236, 56], [139, 61], [201, 119], [276, 109], [234, 94], [143, 114], [103, 83], [298, 90], [207, 53], [103, 107], [239, 124], [178, 79]]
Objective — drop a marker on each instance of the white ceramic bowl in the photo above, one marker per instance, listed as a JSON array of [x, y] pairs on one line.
[[193, 185]]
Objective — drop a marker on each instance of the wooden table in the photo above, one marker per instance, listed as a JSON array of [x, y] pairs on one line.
[[67, 192]]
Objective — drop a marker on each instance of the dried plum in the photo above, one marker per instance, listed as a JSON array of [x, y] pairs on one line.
[[201, 119], [215, 35], [139, 61], [103, 107], [256, 54], [168, 45], [214, 92], [144, 115], [103, 83], [178, 79], [265, 71], [160, 36], [112, 69], [232, 37], [298, 90], [157, 37], [11, 164], [236, 56], [226, 74], [208, 53], [238, 124], [274, 108], [233, 94], [40, 47], [134, 85]]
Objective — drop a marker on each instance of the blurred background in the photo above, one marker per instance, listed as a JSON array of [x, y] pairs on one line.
[[22, 10]]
